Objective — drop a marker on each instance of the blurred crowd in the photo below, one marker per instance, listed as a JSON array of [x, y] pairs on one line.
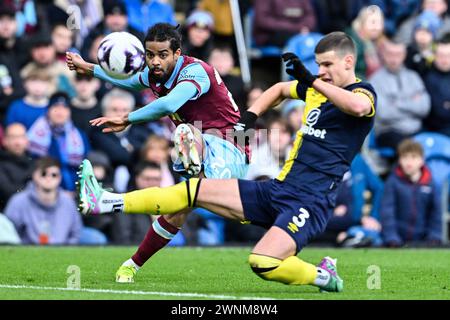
[[394, 195]]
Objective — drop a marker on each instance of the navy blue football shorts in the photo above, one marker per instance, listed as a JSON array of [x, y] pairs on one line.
[[302, 214]]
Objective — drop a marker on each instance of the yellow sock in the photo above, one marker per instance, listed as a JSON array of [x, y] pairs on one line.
[[291, 270], [162, 200]]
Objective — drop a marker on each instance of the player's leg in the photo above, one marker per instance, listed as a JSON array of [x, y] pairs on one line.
[[160, 233], [274, 258]]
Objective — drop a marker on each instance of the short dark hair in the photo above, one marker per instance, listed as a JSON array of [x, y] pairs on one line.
[[338, 41], [43, 163], [445, 39], [143, 165], [409, 146], [161, 32]]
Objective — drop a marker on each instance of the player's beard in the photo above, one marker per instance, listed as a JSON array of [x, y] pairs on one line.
[[158, 78]]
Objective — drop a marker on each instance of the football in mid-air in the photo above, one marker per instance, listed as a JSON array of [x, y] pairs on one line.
[[121, 55]]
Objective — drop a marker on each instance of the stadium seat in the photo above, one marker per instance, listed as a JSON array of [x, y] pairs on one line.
[[303, 46], [254, 51], [437, 156], [384, 152], [214, 233]]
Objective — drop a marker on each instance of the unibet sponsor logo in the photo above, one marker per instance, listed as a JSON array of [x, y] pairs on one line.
[[311, 120]]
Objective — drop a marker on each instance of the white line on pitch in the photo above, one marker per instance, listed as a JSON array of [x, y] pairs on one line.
[[150, 293]]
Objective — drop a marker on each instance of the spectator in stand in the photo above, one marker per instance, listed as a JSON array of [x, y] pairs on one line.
[[367, 30], [13, 56], [143, 14], [62, 39], [55, 135], [411, 205], [255, 91], [122, 148], [26, 15], [85, 105], [156, 149], [439, 7], [12, 46], [293, 111], [15, 163], [198, 41], [403, 101], [43, 56], [115, 20], [43, 213], [34, 104], [90, 14], [271, 153], [223, 20], [221, 58], [420, 53], [437, 82], [276, 21]]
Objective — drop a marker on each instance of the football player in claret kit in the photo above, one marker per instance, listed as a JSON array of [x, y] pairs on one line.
[[296, 205], [191, 92]]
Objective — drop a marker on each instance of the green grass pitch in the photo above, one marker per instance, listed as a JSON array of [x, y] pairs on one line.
[[215, 273]]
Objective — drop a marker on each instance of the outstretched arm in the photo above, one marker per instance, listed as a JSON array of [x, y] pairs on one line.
[[155, 110], [272, 97], [356, 104], [76, 63]]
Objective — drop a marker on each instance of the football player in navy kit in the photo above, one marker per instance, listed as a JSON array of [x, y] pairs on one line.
[[296, 205]]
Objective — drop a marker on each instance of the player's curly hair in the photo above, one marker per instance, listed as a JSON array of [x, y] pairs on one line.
[[161, 32]]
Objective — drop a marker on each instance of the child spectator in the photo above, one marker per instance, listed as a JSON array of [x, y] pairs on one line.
[[157, 149], [198, 41], [438, 7], [42, 213], [411, 205], [293, 111], [420, 53], [34, 104]]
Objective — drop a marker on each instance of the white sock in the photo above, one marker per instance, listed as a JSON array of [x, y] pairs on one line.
[[111, 202], [130, 262], [323, 277]]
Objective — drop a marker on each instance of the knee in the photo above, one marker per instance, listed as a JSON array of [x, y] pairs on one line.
[[177, 219], [263, 265]]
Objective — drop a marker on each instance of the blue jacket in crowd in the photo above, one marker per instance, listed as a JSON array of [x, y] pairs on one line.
[[410, 211], [363, 178]]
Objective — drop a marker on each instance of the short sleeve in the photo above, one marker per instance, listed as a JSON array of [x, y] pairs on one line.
[[298, 91], [369, 93]]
